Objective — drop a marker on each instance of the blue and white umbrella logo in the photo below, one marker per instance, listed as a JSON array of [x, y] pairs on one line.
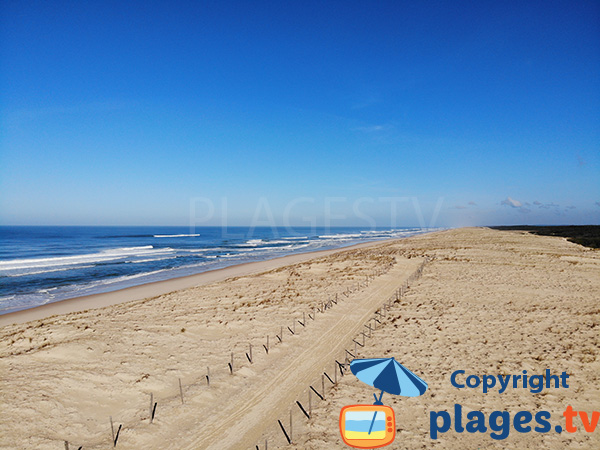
[[388, 375]]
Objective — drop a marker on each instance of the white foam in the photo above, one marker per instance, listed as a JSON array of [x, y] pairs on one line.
[[296, 247], [137, 261], [257, 242], [229, 255], [340, 236], [109, 281], [103, 256], [252, 243], [174, 235]]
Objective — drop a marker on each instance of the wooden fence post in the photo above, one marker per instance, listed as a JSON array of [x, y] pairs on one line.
[[302, 409], [316, 392], [181, 391], [249, 354], [284, 432], [112, 429], [117, 436]]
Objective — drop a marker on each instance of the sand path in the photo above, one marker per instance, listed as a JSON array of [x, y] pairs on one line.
[[246, 413]]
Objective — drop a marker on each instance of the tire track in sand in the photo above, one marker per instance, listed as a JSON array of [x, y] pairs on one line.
[[244, 415]]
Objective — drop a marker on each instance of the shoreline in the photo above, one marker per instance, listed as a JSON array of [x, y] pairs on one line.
[[156, 288]]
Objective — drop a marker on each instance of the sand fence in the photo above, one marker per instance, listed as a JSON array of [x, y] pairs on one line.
[[300, 410], [316, 391]]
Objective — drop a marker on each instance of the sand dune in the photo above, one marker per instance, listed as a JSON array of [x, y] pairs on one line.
[[489, 302]]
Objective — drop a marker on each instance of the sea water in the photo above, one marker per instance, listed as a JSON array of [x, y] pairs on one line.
[[39, 265]]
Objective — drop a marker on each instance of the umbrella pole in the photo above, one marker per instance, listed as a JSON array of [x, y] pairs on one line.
[[378, 400]]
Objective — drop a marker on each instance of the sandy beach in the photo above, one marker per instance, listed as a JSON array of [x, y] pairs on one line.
[[156, 288], [488, 302]]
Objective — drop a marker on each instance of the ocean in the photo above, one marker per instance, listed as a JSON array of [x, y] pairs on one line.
[[43, 264]]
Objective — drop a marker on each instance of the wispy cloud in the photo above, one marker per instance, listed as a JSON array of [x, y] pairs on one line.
[[524, 206], [597, 204], [558, 210], [550, 205], [515, 204], [511, 202], [374, 128], [469, 205]]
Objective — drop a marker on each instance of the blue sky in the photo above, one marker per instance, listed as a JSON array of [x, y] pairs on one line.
[[347, 113]]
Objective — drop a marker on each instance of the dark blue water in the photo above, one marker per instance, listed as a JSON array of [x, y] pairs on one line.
[[39, 265]]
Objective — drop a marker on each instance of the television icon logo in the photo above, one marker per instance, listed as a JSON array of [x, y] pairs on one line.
[[367, 426]]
